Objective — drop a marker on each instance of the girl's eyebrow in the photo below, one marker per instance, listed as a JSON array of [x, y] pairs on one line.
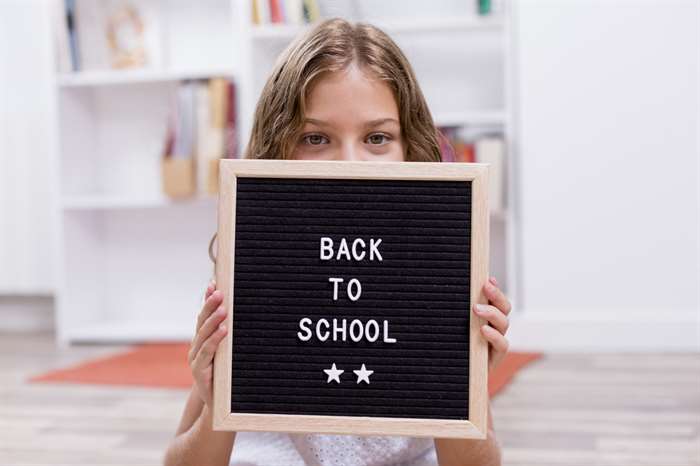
[[380, 121], [316, 122]]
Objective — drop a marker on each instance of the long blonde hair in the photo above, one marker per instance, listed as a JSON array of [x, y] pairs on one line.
[[333, 45]]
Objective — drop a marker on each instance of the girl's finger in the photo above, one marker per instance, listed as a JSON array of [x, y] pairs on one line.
[[494, 316], [497, 298], [210, 306], [493, 280], [498, 346], [494, 337], [211, 287], [205, 356], [208, 327]]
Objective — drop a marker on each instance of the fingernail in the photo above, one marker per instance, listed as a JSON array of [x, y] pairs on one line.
[[222, 327], [494, 281], [481, 309]]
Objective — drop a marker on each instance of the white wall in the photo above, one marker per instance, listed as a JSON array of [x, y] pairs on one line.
[[26, 141], [608, 160], [25, 144]]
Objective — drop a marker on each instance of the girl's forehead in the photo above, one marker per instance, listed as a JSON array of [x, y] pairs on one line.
[[350, 94]]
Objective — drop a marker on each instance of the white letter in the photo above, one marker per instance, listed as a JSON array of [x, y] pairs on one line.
[[359, 289], [343, 249], [373, 249], [336, 329], [326, 248], [352, 334], [354, 251], [335, 286], [386, 333], [370, 323], [306, 330], [318, 331]]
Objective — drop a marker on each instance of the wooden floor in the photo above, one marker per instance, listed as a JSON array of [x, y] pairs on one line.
[[601, 410]]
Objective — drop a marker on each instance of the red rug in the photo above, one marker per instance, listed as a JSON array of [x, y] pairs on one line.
[[165, 366]]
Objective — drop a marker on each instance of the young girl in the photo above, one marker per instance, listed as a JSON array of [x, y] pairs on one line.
[[341, 92]]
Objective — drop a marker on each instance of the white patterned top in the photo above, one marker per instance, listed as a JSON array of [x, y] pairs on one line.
[[278, 449]]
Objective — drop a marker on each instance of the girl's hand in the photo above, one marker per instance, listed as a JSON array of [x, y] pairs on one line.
[[210, 330], [496, 313]]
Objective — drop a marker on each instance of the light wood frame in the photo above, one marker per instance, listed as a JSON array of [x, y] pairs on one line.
[[476, 425]]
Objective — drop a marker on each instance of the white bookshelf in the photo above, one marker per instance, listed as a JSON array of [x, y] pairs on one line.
[[133, 263]]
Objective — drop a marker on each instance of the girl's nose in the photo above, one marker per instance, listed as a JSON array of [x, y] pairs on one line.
[[349, 152]]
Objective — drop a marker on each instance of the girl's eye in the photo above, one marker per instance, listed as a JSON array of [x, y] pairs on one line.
[[315, 139], [378, 139]]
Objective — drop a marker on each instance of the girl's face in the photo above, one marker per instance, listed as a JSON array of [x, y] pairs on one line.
[[350, 116]]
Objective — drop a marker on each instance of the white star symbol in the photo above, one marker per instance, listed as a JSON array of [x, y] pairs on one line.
[[363, 374], [333, 373]]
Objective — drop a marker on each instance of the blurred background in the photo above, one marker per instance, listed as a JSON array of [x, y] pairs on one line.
[[113, 114]]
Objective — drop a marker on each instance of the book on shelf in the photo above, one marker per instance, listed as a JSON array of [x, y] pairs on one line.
[[64, 35], [291, 12], [480, 145], [107, 34], [489, 7], [294, 13], [462, 148], [201, 130], [276, 15]]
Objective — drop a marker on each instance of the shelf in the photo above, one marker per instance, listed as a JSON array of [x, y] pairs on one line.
[[137, 76], [113, 202], [133, 331], [478, 118], [402, 26]]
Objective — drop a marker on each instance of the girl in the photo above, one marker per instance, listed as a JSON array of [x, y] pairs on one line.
[[341, 92]]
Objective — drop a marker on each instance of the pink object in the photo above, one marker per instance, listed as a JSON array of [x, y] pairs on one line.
[[447, 152]]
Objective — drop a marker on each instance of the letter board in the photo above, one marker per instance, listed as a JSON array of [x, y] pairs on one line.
[[349, 288]]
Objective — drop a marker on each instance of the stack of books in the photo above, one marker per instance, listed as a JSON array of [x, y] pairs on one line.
[[201, 130], [294, 12], [471, 145]]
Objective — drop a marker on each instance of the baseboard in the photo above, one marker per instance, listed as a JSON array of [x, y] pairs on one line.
[[598, 331], [26, 313]]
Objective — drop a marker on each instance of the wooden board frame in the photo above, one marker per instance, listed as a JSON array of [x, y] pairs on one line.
[[476, 426]]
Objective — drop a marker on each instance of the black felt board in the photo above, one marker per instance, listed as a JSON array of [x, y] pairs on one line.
[[421, 287]]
